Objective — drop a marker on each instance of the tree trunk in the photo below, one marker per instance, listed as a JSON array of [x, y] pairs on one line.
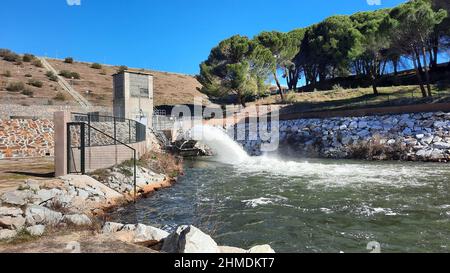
[[419, 76], [278, 85], [427, 74], [395, 64]]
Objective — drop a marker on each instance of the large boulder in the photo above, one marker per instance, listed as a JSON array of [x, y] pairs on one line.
[[16, 198], [261, 249], [36, 215], [10, 211], [11, 222], [6, 234], [111, 227], [231, 250], [77, 220], [145, 233], [189, 239], [36, 230]]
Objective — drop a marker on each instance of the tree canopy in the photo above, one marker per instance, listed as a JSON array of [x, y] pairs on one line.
[[363, 44]]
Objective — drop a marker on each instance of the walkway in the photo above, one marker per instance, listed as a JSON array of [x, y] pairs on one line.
[[66, 86]]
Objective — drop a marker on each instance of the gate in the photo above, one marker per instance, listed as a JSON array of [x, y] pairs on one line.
[[76, 148], [107, 144]]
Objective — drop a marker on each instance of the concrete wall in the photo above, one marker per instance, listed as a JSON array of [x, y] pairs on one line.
[[107, 156], [21, 138], [127, 101]]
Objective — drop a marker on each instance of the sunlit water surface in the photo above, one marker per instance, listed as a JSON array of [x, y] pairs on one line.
[[300, 206]]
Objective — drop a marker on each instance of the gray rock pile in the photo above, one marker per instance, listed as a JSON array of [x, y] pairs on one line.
[[419, 136], [185, 239]]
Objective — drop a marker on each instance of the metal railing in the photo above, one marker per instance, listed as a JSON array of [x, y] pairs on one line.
[[79, 152], [121, 130]]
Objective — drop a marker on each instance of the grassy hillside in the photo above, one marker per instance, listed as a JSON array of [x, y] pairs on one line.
[[94, 84]]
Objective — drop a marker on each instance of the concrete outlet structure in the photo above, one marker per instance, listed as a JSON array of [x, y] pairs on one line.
[[133, 96]]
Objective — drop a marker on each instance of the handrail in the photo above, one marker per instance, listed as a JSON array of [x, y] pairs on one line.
[[139, 134], [82, 124]]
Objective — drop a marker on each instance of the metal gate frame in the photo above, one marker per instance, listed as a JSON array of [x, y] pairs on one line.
[[82, 148]]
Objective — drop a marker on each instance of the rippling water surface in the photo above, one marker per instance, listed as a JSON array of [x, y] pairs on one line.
[[315, 206]]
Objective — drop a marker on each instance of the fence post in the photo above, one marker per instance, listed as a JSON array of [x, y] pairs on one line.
[[89, 130], [115, 134], [135, 187], [83, 146]]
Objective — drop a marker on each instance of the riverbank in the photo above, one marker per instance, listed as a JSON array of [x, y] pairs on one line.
[[43, 215], [409, 137]]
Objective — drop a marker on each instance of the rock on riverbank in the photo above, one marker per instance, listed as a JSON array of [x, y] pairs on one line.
[[415, 137], [185, 239]]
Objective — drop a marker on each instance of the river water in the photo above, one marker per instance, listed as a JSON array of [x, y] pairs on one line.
[[307, 206]]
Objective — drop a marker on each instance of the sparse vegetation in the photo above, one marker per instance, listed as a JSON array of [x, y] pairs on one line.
[[60, 96], [51, 76], [28, 75], [11, 57], [68, 60], [15, 87], [37, 63], [376, 149], [122, 68], [27, 92], [7, 74], [96, 66], [35, 83], [28, 57], [69, 74]]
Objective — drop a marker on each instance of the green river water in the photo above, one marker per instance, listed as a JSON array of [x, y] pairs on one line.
[[308, 206]]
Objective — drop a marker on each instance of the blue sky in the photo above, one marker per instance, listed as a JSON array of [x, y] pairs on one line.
[[170, 35]]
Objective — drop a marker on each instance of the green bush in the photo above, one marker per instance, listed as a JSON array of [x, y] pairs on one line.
[[28, 57], [7, 74], [28, 93], [68, 60], [69, 75], [122, 68], [15, 86], [51, 76], [4, 52], [12, 57], [35, 83], [96, 66], [37, 63], [60, 96], [28, 75]]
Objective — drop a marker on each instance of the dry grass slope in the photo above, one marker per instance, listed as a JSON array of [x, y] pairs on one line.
[[94, 84]]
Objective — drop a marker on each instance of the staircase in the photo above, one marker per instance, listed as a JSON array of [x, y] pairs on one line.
[[66, 86]]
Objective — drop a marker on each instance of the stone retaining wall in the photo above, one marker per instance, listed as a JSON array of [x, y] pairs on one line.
[[416, 137], [44, 111], [21, 138]]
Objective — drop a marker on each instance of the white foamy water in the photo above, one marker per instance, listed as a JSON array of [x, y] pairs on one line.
[[226, 150], [230, 152]]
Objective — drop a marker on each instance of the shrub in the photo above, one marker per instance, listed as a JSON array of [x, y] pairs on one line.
[[51, 76], [96, 66], [12, 57], [68, 60], [69, 75], [37, 63], [28, 75], [35, 83], [376, 149], [50, 102], [60, 97], [122, 68], [28, 93], [7, 74], [337, 87], [15, 87], [4, 52], [28, 58]]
